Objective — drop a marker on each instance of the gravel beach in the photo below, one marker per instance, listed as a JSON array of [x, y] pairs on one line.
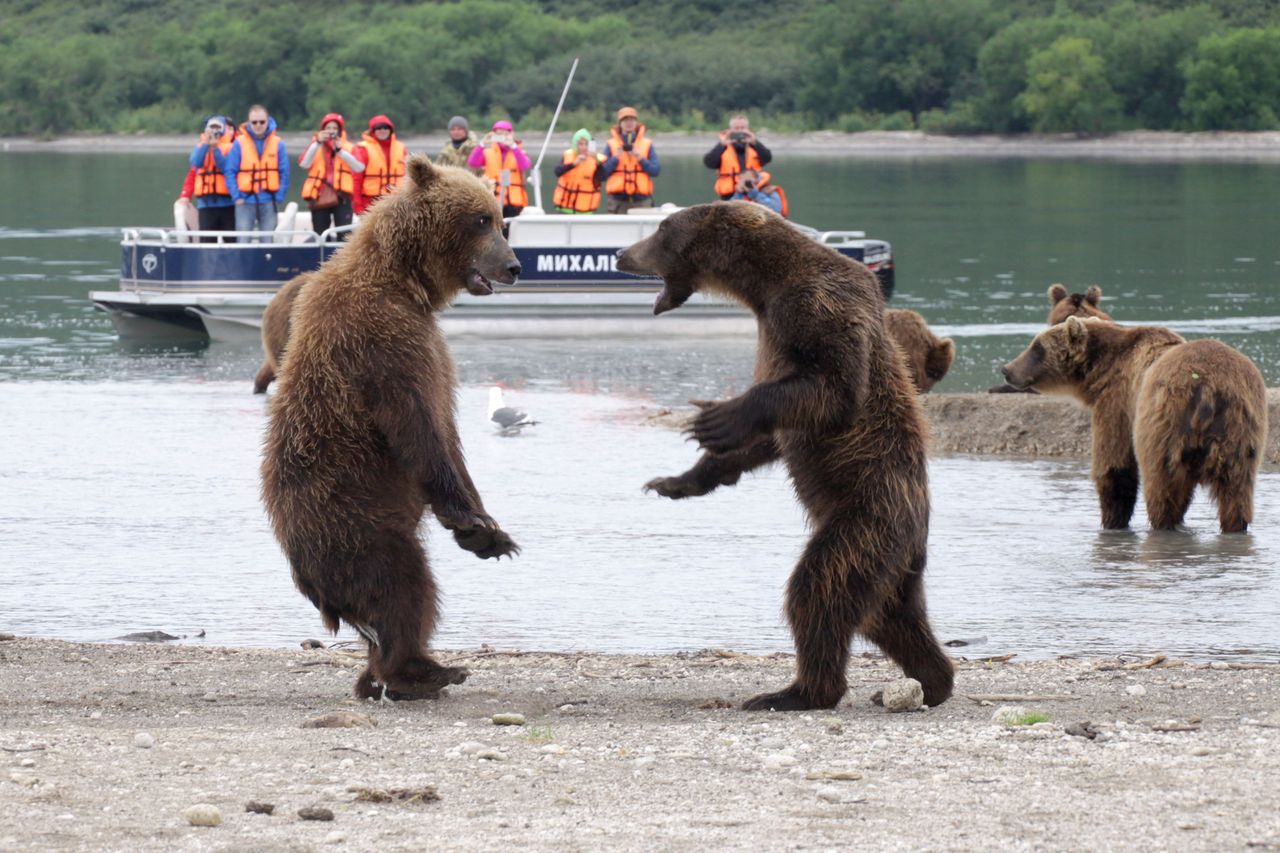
[[109, 747]]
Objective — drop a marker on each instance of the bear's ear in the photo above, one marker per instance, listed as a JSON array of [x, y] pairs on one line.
[[1093, 295], [749, 216], [1077, 333], [1057, 293], [422, 172]]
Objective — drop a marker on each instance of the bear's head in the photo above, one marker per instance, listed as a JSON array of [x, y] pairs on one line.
[[711, 246], [1058, 357], [936, 363], [441, 230], [1066, 304]]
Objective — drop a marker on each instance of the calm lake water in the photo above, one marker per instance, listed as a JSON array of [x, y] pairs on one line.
[[128, 477]]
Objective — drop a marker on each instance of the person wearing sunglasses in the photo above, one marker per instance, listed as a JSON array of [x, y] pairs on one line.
[[257, 172]]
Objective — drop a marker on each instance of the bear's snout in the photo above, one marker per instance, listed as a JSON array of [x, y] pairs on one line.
[[514, 268]]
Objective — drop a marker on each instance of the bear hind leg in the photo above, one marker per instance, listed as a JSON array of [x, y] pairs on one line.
[[902, 632], [403, 619], [823, 608], [264, 378], [1167, 494], [1234, 496]]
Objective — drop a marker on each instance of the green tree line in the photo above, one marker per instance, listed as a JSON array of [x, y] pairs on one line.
[[948, 66]]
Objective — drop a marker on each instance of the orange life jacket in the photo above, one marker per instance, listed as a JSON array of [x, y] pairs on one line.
[[342, 180], [577, 190], [258, 173], [210, 180], [381, 177], [495, 163], [629, 178], [730, 168], [765, 177]]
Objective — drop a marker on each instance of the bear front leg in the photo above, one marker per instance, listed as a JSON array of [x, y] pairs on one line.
[[1117, 494], [714, 470]]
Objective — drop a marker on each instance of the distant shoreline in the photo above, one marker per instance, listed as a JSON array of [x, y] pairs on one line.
[[1139, 146]]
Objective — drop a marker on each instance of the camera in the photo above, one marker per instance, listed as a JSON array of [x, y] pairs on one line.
[[738, 136], [749, 184]]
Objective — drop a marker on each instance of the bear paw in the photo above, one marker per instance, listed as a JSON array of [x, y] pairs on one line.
[[676, 487], [486, 542], [790, 699]]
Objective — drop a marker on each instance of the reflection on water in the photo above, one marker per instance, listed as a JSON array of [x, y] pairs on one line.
[[127, 506]]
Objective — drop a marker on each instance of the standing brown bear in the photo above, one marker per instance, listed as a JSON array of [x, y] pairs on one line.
[[1171, 413], [362, 436], [928, 356], [832, 400], [275, 330]]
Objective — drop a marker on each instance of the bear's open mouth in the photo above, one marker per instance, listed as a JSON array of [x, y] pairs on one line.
[[478, 285]]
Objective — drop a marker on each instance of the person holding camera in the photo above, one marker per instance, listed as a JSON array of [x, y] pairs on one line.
[[331, 165], [754, 186], [578, 176], [384, 158], [257, 172], [737, 150], [215, 209], [631, 166], [501, 155]]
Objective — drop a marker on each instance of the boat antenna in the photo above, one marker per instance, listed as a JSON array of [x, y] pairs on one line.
[[537, 172]]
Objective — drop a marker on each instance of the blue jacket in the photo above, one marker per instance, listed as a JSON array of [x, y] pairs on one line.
[[219, 162], [232, 170], [773, 201]]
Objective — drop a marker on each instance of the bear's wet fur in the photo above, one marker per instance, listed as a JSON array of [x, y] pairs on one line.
[[362, 436], [1167, 413], [275, 330], [831, 399], [928, 357]]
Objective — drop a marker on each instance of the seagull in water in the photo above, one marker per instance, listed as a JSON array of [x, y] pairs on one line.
[[509, 420]]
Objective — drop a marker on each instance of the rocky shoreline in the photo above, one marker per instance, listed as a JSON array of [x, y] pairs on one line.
[[139, 747], [1031, 425], [1163, 146]]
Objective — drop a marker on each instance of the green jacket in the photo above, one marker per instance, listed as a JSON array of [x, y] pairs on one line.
[[450, 156]]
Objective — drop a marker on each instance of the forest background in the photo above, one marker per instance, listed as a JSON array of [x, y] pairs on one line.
[[941, 66]]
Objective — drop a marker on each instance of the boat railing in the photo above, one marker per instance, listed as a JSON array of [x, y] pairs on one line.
[[173, 237], [337, 233], [837, 238]]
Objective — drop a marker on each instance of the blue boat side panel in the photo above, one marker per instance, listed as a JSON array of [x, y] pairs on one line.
[[225, 268], [594, 266]]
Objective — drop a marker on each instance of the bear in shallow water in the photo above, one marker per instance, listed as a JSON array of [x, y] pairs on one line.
[[1169, 413], [833, 401], [362, 437]]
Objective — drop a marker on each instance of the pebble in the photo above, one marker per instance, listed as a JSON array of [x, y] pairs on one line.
[[833, 724], [202, 814], [210, 697], [903, 695], [1136, 690], [829, 793], [27, 762], [259, 807], [491, 755], [312, 644], [1008, 715], [341, 720], [347, 763], [5, 636], [315, 813], [95, 715], [779, 760], [1219, 664], [644, 761], [472, 747], [552, 749], [334, 838], [508, 719], [143, 740]]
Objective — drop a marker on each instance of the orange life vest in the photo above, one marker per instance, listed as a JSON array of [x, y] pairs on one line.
[[381, 177], [342, 180], [210, 180], [629, 178], [258, 173], [765, 177], [730, 168], [495, 163], [577, 190]]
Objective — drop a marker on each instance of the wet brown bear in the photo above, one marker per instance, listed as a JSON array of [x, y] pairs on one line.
[[928, 357], [1061, 306], [275, 330], [833, 401], [362, 436], [1179, 414]]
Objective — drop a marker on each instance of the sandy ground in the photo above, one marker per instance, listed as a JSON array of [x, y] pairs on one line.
[[108, 745], [1006, 424], [1136, 145]]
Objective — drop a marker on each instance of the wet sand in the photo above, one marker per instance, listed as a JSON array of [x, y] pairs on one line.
[[1135, 145], [107, 745]]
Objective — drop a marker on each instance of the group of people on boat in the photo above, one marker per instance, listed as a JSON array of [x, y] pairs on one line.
[[239, 176]]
